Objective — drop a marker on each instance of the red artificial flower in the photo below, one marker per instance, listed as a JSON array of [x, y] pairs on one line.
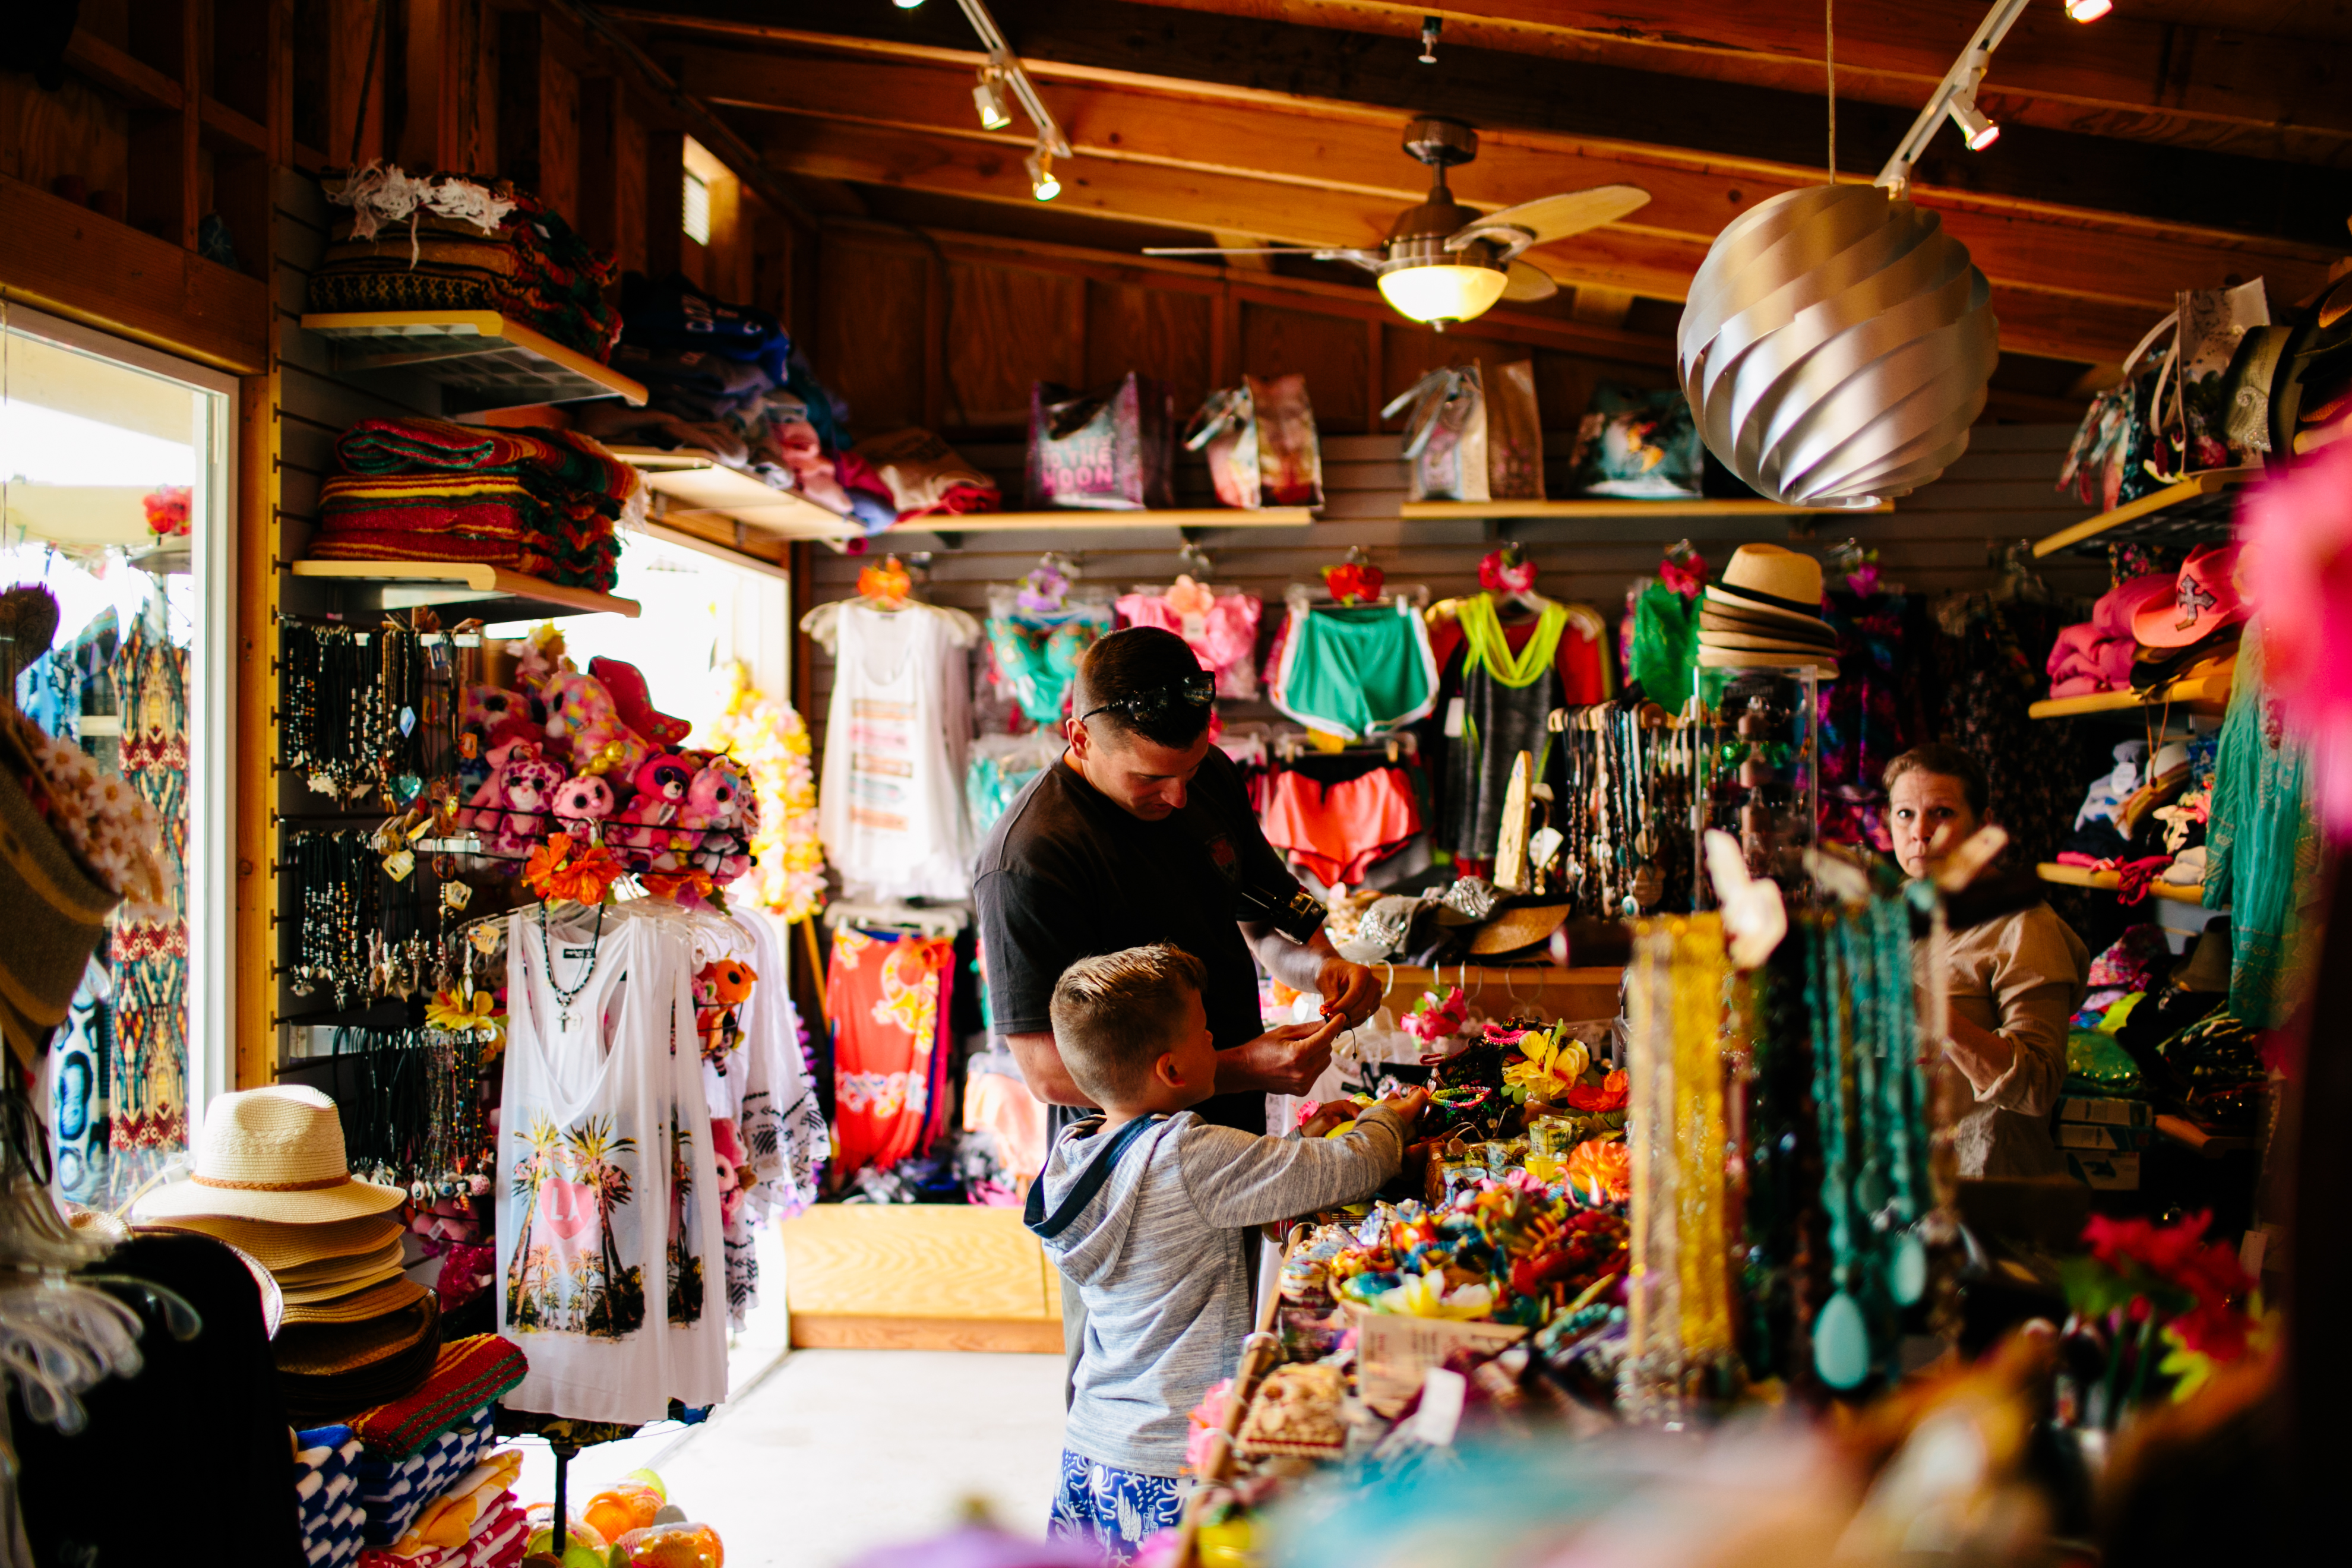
[[1685, 573], [1354, 582], [1614, 1091], [1501, 572], [167, 511]]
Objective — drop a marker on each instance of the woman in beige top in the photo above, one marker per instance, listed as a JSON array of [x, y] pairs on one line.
[[2015, 981]]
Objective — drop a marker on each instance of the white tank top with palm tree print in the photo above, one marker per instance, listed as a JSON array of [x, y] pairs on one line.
[[610, 1271]]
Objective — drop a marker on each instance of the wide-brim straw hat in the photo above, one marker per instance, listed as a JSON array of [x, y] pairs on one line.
[[297, 1248], [1714, 623], [1767, 581], [381, 1298], [1750, 642], [1766, 658], [273, 1153], [57, 909], [350, 1275], [1521, 926], [321, 1350]]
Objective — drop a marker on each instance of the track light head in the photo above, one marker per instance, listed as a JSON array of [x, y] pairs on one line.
[[907, 4], [2088, 10], [1042, 182], [988, 98], [1977, 128]]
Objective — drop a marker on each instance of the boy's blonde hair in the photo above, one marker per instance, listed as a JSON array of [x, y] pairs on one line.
[[1115, 1014]]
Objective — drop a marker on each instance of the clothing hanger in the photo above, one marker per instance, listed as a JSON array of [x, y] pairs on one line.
[[937, 920]]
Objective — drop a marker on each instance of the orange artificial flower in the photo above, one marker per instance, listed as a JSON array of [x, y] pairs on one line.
[[686, 886], [554, 874], [1600, 1170]]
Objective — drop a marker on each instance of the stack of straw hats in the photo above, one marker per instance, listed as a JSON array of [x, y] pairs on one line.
[[1765, 614], [271, 1181]]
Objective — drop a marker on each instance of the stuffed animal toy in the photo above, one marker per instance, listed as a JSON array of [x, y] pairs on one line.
[[581, 804], [735, 1175], [580, 717], [519, 791], [719, 989], [736, 862], [708, 814], [662, 782], [628, 685], [485, 706]]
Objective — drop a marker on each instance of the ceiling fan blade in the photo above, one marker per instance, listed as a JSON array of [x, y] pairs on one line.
[[1371, 260], [1527, 281], [1556, 217]]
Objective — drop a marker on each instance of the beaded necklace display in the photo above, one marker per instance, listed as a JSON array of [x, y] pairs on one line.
[[336, 890], [563, 998], [332, 706]]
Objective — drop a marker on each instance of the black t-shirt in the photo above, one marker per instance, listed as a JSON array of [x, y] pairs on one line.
[[1069, 874]]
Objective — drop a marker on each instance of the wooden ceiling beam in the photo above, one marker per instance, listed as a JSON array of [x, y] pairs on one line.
[[1657, 266], [1116, 41], [1352, 164], [2125, 77]]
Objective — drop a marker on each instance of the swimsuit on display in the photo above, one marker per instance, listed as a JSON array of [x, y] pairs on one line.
[[1338, 831], [1221, 628], [1356, 669], [1037, 659]]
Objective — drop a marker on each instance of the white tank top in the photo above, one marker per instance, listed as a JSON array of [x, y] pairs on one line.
[[890, 811], [609, 1274]]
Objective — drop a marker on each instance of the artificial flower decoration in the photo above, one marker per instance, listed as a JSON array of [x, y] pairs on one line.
[[1208, 1419], [1600, 1170], [1504, 571], [2153, 1282], [1434, 1018], [1424, 1295], [1354, 582], [555, 874], [480, 1016], [112, 829], [2297, 569], [1615, 1090], [1044, 591], [890, 583], [1683, 569], [1858, 566], [1186, 597], [688, 887], [167, 511], [1548, 1065]]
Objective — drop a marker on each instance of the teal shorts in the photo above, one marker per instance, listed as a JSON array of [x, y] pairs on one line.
[[1357, 669]]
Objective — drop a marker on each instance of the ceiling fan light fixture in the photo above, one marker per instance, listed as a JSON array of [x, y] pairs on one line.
[[1042, 182], [1439, 292], [2088, 10]]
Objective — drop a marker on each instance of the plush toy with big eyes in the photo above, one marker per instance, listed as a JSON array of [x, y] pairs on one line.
[[708, 813], [485, 706], [581, 804], [587, 729], [662, 782], [523, 788]]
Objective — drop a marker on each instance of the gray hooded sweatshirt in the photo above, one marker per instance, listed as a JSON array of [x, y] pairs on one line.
[[1158, 1255]]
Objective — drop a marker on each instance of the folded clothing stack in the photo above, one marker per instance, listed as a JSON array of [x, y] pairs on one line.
[[461, 242], [542, 502], [724, 377], [326, 1493], [394, 1491], [467, 1376], [475, 1523]]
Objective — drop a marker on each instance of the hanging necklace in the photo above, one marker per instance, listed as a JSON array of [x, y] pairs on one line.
[[1841, 1334], [563, 998]]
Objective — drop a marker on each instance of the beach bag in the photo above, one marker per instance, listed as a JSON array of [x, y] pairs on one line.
[[1261, 442], [1444, 435], [1112, 450], [1638, 444]]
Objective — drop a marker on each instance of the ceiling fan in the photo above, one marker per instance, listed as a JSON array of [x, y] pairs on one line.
[[1444, 262]]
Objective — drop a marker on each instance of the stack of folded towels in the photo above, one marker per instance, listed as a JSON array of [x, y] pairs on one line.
[[326, 1492], [2097, 654], [464, 242], [542, 502]]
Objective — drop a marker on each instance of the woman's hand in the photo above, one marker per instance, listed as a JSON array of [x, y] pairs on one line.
[[1350, 991], [1285, 1060]]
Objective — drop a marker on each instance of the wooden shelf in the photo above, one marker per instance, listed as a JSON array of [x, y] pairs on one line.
[[2195, 509], [2208, 691], [402, 585], [693, 483], [2108, 882], [482, 359], [1073, 519], [1623, 507]]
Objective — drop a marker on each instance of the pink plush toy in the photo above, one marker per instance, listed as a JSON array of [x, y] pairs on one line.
[[509, 740], [708, 815], [581, 715], [485, 706], [737, 862], [519, 790], [581, 804], [662, 783]]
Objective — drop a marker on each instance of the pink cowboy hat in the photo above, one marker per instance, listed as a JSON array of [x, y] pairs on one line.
[[2204, 599]]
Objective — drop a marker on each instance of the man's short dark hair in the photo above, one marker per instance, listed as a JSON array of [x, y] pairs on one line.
[[1944, 762], [1133, 663], [1116, 1014]]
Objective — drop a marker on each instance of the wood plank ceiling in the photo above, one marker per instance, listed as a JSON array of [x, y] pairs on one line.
[[2169, 145]]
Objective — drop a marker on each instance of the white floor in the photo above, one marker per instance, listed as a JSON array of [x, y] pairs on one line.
[[822, 1454]]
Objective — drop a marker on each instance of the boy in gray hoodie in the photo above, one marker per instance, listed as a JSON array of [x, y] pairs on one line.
[[1147, 1209]]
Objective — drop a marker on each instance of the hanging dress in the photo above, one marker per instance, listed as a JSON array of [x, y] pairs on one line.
[[608, 1225], [886, 996], [149, 1076], [1507, 700], [891, 810]]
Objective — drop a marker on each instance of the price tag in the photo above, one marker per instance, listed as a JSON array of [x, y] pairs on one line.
[[1453, 710], [1442, 1394]]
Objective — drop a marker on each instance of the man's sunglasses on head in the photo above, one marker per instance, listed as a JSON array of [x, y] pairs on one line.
[[1195, 691]]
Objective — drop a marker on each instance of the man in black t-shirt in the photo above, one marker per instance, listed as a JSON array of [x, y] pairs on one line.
[[1142, 833]]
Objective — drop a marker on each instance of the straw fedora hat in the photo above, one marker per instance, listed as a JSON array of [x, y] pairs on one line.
[[1521, 926], [296, 1248], [1766, 658], [381, 1298], [273, 1153], [1767, 581], [1751, 642], [1718, 623], [336, 1276], [322, 1350]]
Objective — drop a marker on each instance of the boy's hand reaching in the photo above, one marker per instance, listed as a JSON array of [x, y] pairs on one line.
[[1337, 1113], [1408, 1106]]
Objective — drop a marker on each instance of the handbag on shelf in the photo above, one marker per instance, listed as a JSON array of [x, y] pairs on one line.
[[1112, 450], [1261, 442], [2170, 415]]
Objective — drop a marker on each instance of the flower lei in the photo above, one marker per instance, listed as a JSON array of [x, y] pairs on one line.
[[1504, 571], [554, 873], [110, 827], [772, 743], [1043, 592], [1354, 582]]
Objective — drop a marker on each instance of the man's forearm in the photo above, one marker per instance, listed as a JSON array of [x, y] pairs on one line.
[[1042, 1069], [1295, 964]]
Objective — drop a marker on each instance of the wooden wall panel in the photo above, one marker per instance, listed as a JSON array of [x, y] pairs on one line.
[[1007, 327], [1154, 330], [1333, 351], [869, 342], [76, 132]]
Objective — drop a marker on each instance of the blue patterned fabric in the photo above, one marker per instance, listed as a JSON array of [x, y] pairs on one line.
[[392, 1492], [326, 1493], [1116, 1510]]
